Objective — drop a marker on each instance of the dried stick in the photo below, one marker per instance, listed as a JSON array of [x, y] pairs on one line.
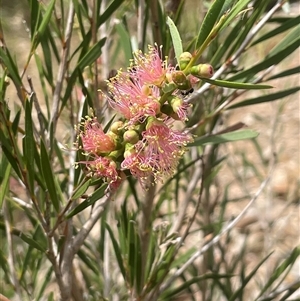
[[140, 24], [61, 70], [88, 226], [184, 204]]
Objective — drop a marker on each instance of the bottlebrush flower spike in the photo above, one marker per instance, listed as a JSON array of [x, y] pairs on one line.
[[94, 140], [149, 68], [132, 99], [163, 148], [149, 96]]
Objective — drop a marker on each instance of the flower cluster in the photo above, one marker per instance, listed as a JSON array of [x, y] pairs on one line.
[[143, 142]]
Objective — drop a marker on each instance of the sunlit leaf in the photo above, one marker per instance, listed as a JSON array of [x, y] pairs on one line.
[[236, 85], [209, 22], [49, 176], [176, 39], [96, 195], [265, 98], [224, 138]]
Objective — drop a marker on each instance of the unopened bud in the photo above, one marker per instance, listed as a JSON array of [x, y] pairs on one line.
[[202, 70], [180, 79], [184, 59], [131, 136], [117, 126]]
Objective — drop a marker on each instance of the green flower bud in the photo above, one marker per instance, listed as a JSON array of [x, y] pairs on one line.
[[202, 70], [131, 136], [180, 79], [117, 127], [184, 59]]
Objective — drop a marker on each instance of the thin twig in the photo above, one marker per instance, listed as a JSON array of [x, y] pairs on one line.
[[88, 226], [217, 238], [140, 24], [61, 70], [37, 108], [184, 204], [240, 50], [155, 22]]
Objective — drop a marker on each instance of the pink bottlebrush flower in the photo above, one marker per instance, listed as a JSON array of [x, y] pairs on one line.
[[106, 168], [134, 100], [163, 148], [94, 140], [149, 68], [136, 163], [179, 107]]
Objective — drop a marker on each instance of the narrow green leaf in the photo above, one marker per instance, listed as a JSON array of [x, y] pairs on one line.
[[12, 160], [117, 250], [46, 19], [45, 283], [288, 72], [5, 169], [176, 39], [109, 11], [28, 239], [125, 41], [81, 189], [288, 262], [248, 278], [34, 16], [285, 26], [235, 85], [29, 144], [11, 66], [49, 176], [209, 22], [84, 256], [92, 55], [265, 98], [273, 58], [98, 194], [224, 138], [173, 292], [237, 8], [293, 38]]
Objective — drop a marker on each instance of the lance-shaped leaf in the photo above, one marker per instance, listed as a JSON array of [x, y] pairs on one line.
[[109, 11], [117, 250], [5, 169], [26, 238], [209, 22], [224, 138], [98, 194], [235, 85], [285, 26], [265, 98], [287, 46], [176, 39], [29, 145], [11, 66], [92, 55], [43, 25], [49, 177], [81, 189], [248, 278], [124, 40], [287, 263]]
